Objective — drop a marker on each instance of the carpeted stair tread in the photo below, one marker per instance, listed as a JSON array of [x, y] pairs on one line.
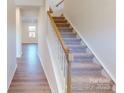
[[91, 80], [65, 28], [91, 83], [58, 17], [78, 45], [78, 49], [67, 32], [69, 36], [60, 21], [72, 43], [63, 24], [93, 91], [86, 66], [82, 54], [79, 72], [81, 57], [72, 40]]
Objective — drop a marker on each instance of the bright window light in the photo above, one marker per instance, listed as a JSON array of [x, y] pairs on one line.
[[32, 35], [32, 28]]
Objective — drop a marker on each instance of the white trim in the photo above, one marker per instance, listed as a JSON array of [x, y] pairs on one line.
[[99, 60], [10, 81]]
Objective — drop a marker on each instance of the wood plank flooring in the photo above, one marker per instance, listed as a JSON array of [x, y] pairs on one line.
[[29, 76]]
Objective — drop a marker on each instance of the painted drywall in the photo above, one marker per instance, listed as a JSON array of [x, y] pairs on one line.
[[29, 12], [11, 40], [54, 2], [29, 2], [25, 33], [18, 33], [43, 50], [96, 23]]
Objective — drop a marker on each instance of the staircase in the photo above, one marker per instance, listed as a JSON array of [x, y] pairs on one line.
[[86, 75]]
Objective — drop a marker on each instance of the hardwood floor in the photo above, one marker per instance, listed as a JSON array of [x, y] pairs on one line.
[[29, 76]]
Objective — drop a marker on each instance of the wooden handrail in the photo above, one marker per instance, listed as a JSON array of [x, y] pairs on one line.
[[66, 50], [50, 10], [59, 3]]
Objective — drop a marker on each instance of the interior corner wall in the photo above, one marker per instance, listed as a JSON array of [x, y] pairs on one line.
[[18, 33], [95, 20], [11, 40]]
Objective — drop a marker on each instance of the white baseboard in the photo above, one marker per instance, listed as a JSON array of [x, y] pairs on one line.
[[12, 75], [75, 29]]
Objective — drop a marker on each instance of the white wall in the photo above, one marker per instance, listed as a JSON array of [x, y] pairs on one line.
[[18, 33], [29, 11], [43, 50], [54, 2], [11, 40], [95, 21], [25, 33], [29, 2]]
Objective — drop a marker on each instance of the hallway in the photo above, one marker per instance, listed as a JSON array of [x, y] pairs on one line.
[[29, 76]]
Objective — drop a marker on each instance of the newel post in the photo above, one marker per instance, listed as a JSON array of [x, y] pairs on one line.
[[69, 85]]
